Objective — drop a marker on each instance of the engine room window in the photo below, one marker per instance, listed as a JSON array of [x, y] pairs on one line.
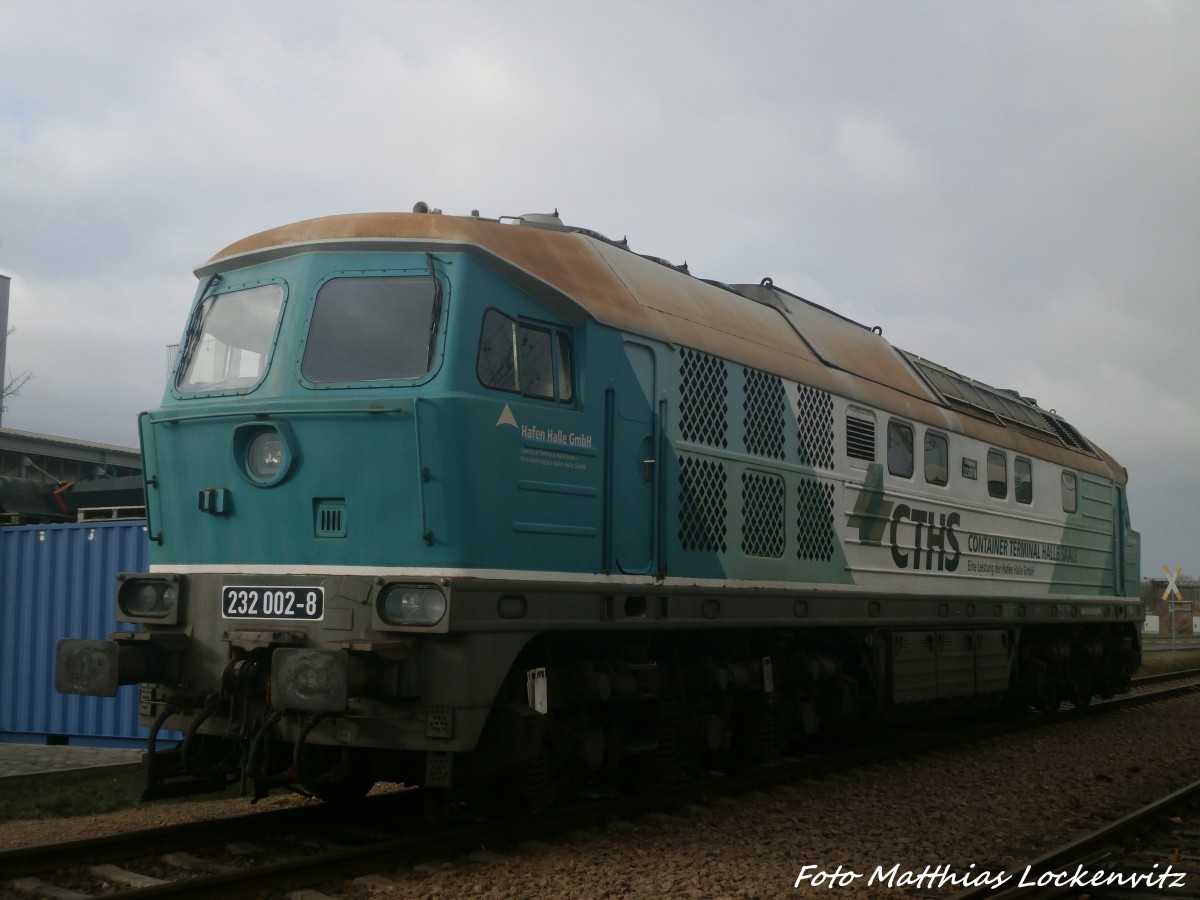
[[997, 474], [1023, 480], [531, 360], [229, 339], [375, 328], [937, 458], [1069, 498], [900, 448]]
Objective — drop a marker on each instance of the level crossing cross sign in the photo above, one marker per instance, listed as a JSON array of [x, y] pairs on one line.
[[1172, 588]]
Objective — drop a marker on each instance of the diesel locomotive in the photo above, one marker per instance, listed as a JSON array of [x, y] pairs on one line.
[[487, 505]]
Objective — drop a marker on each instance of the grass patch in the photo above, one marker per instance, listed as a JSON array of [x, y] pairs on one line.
[[70, 794], [49, 797]]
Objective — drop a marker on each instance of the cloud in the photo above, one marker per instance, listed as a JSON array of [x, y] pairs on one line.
[[1009, 190]]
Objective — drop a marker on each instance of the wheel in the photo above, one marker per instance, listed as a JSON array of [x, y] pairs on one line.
[[1051, 700]]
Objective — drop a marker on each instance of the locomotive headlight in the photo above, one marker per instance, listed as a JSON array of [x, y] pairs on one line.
[[412, 604], [153, 600], [265, 451], [266, 455]]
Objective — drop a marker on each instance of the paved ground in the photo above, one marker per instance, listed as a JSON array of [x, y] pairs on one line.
[[32, 759], [1153, 642]]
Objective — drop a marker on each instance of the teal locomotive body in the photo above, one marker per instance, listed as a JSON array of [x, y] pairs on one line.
[[463, 502]]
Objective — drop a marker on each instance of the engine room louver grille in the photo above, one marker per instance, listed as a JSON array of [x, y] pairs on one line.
[[860, 438], [762, 515], [814, 418], [703, 398], [814, 521], [766, 411], [330, 518], [702, 502]]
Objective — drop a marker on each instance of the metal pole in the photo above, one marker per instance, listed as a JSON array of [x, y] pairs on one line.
[[4, 280]]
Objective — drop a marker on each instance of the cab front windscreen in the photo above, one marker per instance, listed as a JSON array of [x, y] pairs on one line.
[[228, 343], [373, 328]]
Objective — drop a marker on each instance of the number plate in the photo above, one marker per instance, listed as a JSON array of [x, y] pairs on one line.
[[258, 602]]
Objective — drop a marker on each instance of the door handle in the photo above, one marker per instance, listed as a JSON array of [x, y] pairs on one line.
[[648, 467]]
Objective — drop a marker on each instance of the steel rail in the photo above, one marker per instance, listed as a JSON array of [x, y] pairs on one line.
[[1078, 853], [1163, 677]]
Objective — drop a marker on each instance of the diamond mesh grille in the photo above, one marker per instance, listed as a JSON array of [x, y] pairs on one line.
[[814, 418], [814, 520], [765, 408], [762, 515], [703, 398], [701, 504]]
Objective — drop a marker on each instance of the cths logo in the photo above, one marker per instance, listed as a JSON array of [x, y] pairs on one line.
[[930, 535]]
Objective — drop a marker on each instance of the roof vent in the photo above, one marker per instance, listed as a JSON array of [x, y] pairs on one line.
[[543, 219]]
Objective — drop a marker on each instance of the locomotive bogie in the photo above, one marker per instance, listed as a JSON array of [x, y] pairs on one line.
[[452, 502]]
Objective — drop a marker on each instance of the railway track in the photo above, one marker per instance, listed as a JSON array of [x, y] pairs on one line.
[[287, 849], [1165, 677], [1150, 851]]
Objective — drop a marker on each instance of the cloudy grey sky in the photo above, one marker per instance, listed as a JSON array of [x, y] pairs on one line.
[[1009, 189]]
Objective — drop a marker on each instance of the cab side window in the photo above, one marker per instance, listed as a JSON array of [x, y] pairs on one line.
[[531, 360]]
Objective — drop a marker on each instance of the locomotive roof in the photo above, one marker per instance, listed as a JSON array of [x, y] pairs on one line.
[[580, 274]]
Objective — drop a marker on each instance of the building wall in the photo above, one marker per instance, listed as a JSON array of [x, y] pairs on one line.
[[50, 459]]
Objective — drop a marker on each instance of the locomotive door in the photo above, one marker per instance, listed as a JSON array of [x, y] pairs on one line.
[[631, 460]]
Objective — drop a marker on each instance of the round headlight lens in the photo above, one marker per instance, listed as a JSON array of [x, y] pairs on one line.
[[413, 605], [265, 452], [144, 600], [266, 455]]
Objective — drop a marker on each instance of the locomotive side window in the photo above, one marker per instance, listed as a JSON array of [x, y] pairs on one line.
[[937, 458], [1023, 480], [1069, 497], [229, 339], [997, 474], [531, 360], [375, 328], [900, 448]]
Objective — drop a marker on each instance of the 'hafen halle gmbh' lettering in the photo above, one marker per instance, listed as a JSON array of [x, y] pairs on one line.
[[556, 436]]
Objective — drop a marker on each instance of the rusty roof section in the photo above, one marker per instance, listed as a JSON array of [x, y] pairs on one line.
[[580, 274]]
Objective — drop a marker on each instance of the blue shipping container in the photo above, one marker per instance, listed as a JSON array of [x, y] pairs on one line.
[[57, 581]]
